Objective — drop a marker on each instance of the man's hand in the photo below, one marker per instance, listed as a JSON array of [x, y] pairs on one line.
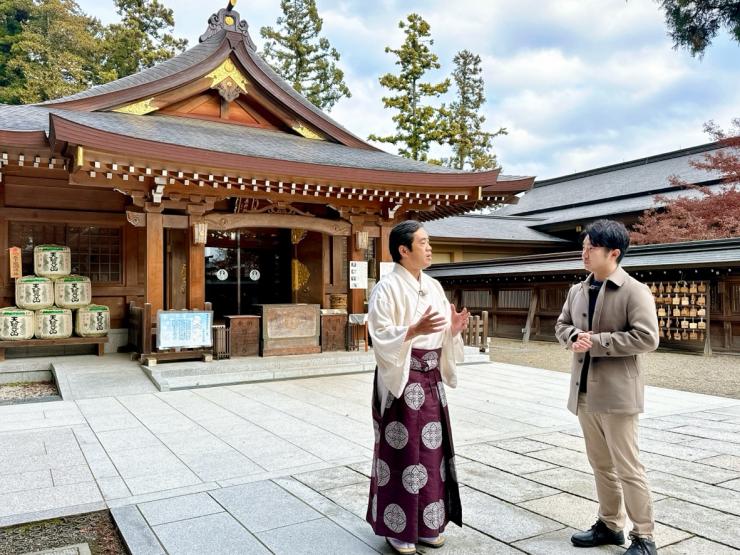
[[459, 320], [582, 343], [430, 322]]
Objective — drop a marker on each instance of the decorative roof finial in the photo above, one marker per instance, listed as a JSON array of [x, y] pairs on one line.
[[229, 20]]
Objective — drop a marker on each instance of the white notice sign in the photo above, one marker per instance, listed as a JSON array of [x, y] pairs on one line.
[[358, 274]]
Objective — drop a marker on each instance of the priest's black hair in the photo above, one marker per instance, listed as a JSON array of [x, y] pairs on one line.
[[402, 234], [610, 234]]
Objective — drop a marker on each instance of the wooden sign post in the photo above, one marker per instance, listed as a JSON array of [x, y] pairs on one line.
[[16, 262]]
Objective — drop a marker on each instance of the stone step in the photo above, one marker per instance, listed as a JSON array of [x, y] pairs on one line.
[[165, 382]]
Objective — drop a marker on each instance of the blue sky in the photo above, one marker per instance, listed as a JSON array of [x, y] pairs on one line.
[[578, 83]]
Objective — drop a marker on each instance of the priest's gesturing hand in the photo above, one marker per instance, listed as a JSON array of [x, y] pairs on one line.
[[458, 320], [430, 322]]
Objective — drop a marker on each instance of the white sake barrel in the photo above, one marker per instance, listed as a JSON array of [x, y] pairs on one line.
[[72, 291], [53, 323], [34, 293], [16, 324], [52, 261], [92, 321]]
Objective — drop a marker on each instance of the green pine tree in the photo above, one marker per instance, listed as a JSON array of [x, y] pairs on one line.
[[418, 124], [57, 52], [693, 25], [302, 57], [141, 39], [13, 14], [471, 145]]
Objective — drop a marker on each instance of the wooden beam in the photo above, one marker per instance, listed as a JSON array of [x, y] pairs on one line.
[[155, 261]]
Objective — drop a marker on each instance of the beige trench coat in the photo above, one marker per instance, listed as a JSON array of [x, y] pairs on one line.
[[625, 326]]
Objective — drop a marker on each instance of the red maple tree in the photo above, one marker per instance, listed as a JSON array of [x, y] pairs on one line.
[[713, 214]]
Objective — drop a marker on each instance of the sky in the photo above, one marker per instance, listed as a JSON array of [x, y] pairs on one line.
[[578, 84]]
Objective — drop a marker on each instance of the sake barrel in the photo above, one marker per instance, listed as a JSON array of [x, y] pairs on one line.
[[338, 301], [54, 323], [34, 293], [16, 324], [92, 321], [72, 291], [52, 261]]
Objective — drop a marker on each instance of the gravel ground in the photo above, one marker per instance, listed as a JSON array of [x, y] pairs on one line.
[[27, 390], [715, 375], [95, 529]]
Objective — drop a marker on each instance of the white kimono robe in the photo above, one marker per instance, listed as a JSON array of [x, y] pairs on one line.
[[396, 302]]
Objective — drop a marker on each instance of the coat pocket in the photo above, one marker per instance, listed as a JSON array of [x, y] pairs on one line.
[[632, 369]]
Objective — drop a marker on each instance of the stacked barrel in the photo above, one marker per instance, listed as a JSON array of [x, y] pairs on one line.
[[46, 300]]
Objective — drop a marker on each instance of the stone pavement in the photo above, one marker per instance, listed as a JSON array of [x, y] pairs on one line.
[[283, 466]]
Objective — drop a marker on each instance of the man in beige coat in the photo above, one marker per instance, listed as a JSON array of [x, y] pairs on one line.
[[609, 322]]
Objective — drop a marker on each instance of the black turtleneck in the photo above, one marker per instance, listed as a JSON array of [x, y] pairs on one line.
[[593, 294]]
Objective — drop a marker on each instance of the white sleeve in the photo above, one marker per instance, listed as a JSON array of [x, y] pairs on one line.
[[453, 349], [392, 351]]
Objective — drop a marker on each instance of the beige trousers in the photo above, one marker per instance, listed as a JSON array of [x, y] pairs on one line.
[[621, 482]]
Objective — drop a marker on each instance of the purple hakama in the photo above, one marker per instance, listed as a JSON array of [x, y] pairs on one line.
[[413, 488]]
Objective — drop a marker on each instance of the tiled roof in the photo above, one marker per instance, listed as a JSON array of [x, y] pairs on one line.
[[638, 177], [218, 137], [168, 68], [675, 255], [491, 228]]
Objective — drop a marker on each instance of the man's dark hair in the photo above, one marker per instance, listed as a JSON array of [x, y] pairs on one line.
[[609, 234], [402, 234]]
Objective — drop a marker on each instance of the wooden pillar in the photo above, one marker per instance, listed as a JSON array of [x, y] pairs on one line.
[[155, 261], [196, 270], [355, 297], [383, 244], [530, 315]]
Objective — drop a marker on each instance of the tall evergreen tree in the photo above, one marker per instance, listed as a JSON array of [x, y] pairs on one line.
[[13, 14], [417, 123], [302, 57], [56, 53], [694, 24], [141, 39], [471, 145]]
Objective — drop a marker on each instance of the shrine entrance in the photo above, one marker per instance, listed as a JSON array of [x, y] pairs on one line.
[[246, 267]]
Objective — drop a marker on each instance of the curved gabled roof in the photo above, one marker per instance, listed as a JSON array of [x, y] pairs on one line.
[[192, 57]]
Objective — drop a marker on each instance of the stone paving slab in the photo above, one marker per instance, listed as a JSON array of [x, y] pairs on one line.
[[721, 499], [218, 457], [702, 521], [310, 538], [728, 462], [321, 480], [503, 485], [179, 508], [500, 520], [558, 543], [263, 506], [219, 533], [581, 513], [697, 546]]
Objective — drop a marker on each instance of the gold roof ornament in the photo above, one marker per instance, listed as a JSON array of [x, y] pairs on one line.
[[306, 132], [139, 108], [228, 19], [227, 70]]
